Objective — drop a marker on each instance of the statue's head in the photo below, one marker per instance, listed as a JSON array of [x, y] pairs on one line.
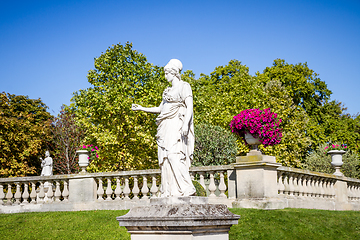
[[174, 66], [47, 154]]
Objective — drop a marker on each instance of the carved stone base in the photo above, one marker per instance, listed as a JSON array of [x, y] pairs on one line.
[[184, 218]]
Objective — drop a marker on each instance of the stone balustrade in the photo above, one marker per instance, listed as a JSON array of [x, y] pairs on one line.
[[259, 183], [34, 190], [308, 189], [105, 190], [302, 183]]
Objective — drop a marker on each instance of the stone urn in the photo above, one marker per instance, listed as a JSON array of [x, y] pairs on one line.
[[83, 159], [254, 143], [336, 161]]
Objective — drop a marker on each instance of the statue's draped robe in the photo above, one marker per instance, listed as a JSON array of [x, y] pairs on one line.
[[174, 151]]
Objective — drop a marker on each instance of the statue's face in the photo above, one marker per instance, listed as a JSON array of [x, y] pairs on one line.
[[47, 154], [168, 75]]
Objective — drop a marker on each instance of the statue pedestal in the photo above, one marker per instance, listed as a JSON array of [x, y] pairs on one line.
[[185, 218]]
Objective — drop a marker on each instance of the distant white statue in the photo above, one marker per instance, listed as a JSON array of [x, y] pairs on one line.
[[47, 165], [175, 133]]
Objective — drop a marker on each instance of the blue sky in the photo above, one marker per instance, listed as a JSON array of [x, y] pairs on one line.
[[47, 47]]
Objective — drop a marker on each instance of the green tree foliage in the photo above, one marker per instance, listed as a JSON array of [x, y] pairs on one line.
[[319, 161], [67, 138], [24, 135], [301, 82], [213, 146], [328, 120], [231, 89], [121, 77], [295, 143]]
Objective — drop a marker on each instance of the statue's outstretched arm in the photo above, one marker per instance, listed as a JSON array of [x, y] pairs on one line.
[[136, 107]]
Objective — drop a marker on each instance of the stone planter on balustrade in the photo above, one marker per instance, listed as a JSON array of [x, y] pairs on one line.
[[83, 159], [336, 161], [254, 143]]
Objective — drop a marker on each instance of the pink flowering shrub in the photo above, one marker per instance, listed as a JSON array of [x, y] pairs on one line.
[[262, 124], [335, 146], [92, 150]]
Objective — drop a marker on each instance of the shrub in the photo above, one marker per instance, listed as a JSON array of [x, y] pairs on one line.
[[213, 146], [200, 191], [321, 162]]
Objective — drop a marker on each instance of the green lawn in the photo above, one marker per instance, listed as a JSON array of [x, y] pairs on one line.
[[253, 224]]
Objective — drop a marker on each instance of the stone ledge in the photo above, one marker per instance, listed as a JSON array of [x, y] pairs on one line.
[[186, 215], [178, 200]]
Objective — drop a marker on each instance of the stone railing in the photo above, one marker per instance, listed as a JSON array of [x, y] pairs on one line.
[[263, 183], [308, 189], [105, 190], [34, 190], [253, 181]]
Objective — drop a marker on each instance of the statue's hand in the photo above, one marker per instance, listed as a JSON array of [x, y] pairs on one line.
[[185, 130], [136, 107]]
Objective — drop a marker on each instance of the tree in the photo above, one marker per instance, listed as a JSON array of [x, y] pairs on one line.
[[230, 89], [24, 135], [67, 138], [121, 77]]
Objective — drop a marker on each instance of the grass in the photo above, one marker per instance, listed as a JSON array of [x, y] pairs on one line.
[[253, 224]]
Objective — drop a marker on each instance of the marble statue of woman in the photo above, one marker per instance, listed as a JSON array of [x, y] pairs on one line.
[[175, 133], [47, 165]]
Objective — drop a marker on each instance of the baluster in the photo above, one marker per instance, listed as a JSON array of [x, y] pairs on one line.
[[153, 188], [212, 186], [65, 192], [108, 189], [118, 190], [135, 189], [57, 191], [349, 192], [332, 187], [286, 184], [291, 184], [2, 194], [202, 180], [356, 189], [126, 190], [317, 187], [33, 193], [304, 185], [144, 189], [50, 192], [222, 185], [25, 195], [325, 186], [281, 186], [42, 192], [296, 186], [312, 186], [9, 195], [100, 191], [354, 192], [357, 192], [17, 194], [322, 187], [309, 186]]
